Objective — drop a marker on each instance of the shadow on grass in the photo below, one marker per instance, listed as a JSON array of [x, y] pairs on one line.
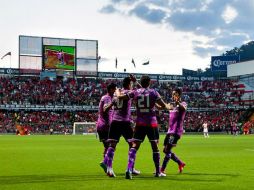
[[206, 174], [8, 180], [193, 177]]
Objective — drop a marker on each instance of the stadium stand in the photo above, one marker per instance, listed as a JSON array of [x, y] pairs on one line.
[[58, 103]]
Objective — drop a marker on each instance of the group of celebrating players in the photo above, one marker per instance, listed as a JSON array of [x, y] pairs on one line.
[[115, 121]]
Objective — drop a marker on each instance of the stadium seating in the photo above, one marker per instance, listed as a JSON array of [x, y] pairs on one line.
[[225, 95]]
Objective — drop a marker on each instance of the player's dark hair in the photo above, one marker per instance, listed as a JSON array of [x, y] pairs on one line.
[[178, 90], [111, 86], [145, 81], [126, 82]]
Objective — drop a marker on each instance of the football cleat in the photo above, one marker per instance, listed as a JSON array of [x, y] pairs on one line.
[[135, 172], [180, 167], [128, 174], [103, 166], [110, 172], [163, 171], [160, 175]]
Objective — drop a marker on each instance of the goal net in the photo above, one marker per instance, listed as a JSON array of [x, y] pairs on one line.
[[84, 128]]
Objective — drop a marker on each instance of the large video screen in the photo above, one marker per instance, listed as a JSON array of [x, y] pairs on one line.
[[59, 57]]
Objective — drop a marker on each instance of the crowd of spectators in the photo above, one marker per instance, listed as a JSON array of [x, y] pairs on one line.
[[205, 94], [82, 91], [61, 121], [218, 121], [88, 91], [43, 121]]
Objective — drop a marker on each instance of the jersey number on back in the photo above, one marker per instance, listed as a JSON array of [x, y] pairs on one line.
[[119, 104], [143, 101]]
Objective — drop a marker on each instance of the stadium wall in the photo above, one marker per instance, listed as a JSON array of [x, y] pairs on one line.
[[239, 69]]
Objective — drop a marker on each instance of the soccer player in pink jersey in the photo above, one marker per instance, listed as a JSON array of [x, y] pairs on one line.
[[146, 123], [105, 116], [175, 130], [60, 57], [121, 126]]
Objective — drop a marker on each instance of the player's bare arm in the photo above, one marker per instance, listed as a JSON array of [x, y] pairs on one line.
[[160, 104], [120, 95], [107, 107], [135, 82]]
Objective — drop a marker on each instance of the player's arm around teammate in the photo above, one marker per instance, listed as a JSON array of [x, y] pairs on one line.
[[120, 125], [146, 123]]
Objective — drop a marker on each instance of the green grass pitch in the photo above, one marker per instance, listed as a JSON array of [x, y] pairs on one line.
[[72, 162]]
